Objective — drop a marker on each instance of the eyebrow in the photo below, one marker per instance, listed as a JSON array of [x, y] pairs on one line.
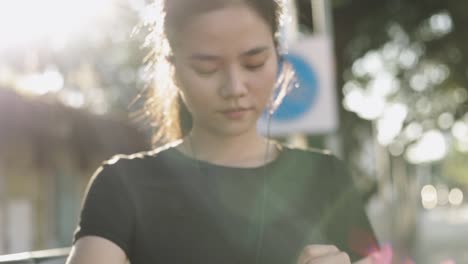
[[255, 51], [204, 57], [207, 57]]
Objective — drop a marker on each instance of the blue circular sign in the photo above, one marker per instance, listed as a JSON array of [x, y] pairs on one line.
[[300, 99]]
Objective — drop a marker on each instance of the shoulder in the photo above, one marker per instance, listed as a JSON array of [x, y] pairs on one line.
[[307, 153], [321, 161], [121, 167], [139, 158], [306, 161]]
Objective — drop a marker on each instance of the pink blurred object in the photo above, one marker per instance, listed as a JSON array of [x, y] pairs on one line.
[[448, 262], [409, 261], [383, 256]]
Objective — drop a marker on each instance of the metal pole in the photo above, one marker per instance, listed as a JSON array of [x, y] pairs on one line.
[[322, 21], [321, 17], [323, 25], [299, 139]]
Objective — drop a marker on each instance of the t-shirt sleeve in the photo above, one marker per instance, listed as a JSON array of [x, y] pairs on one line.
[[345, 220], [107, 209]]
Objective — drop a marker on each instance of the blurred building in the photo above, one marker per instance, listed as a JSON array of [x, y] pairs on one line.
[[47, 154]]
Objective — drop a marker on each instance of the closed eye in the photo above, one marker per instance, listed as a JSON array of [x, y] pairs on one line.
[[204, 68], [256, 58], [205, 72], [204, 64], [253, 67]]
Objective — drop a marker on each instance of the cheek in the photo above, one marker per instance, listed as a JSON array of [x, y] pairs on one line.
[[190, 82], [265, 82], [193, 99], [194, 90]]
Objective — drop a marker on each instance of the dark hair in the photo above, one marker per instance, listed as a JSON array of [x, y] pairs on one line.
[[166, 111], [178, 13]]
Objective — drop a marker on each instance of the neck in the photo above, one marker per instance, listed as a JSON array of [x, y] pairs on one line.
[[246, 150]]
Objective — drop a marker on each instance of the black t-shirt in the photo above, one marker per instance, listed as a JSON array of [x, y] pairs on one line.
[[164, 207]]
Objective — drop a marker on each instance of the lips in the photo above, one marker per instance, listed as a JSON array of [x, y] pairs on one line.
[[236, 113], [240, 109]]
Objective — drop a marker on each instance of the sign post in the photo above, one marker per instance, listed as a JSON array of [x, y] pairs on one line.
[[311, 108]]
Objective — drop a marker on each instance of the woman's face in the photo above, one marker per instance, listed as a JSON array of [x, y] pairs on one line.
[[226, 66]]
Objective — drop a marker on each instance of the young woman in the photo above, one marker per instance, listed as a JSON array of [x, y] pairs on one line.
[[219, 192]]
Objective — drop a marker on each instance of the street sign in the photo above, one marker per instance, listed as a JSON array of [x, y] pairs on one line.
[[311, 108]]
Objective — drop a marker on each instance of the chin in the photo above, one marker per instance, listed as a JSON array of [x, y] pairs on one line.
[[236, 129]]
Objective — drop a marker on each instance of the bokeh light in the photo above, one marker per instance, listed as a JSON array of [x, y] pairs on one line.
[[441, 23], [443, 195], [429, 197], [431, 147], [391, 123], [455, 197], [445, 120]]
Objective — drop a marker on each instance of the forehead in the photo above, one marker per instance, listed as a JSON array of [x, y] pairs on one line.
[[179, 12], [230, 28]]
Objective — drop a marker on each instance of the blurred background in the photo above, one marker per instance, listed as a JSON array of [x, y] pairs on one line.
[[72, 72]]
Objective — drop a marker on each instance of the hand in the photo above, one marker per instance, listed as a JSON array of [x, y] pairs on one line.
[[323, 254]]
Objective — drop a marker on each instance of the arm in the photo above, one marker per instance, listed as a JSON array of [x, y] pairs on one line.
[[344, 221], [348, 223], [93, 249], [106, 222]]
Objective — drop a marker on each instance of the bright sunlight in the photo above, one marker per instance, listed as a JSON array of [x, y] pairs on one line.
[[24, 23]]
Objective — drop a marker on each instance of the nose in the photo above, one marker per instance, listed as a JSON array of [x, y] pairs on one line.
[[234, 86]]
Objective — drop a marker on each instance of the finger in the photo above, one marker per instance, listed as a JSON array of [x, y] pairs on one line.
[[314, 251], [383, 256], [334, 258]]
